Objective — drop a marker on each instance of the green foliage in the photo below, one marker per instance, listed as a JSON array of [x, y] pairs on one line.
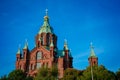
[[16, 75], [45, 73], [118, 74], [29, 78], [54, 72], [99, 73], [4, 77], [72, 74]]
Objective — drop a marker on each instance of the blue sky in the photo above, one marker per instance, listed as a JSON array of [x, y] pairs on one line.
[[78, 21]]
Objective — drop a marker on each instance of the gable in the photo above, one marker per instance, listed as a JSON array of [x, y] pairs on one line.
[[37, 52]]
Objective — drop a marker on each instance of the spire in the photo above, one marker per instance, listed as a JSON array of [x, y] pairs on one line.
[[18, 52], [92, 53], [70, 53], [26, 45], [46, 28], [65, 45]]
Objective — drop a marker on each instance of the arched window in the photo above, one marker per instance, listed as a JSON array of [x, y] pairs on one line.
[[41, 39], [39, 55]]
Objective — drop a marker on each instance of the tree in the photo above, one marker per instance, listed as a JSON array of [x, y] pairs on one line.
[[42, 74], [4, 77], [118, 74], [71, 74], [16, 75], [54, 72], [45, 73], [99, 73], [29, 78]]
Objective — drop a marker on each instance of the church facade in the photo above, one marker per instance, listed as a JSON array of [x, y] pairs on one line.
[[45, 53]]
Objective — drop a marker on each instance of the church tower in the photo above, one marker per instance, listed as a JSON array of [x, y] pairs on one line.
[[46, 35], [93, 59]]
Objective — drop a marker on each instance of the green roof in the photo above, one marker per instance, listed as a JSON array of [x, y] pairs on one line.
[[60, 53], [92, 53], [26, 45], [18, 52], [46, 28]]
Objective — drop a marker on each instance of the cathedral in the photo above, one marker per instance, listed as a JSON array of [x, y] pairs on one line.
[[45, 53]]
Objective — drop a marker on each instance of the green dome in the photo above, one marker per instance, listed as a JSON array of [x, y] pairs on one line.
[[46, 28]]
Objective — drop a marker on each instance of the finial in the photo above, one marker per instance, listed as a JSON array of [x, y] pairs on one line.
[[46, 11], [18, 52], [70, 53], [91, 45], [65, 41], [26, 44], [65, 44]]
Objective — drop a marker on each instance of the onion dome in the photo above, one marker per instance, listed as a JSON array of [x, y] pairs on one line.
[[46, 28]]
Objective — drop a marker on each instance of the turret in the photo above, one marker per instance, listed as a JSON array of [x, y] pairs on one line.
[[25, 51], [46, 34], [93, 60], [67, 56], [18, 55], [18, 58], [66, 49]]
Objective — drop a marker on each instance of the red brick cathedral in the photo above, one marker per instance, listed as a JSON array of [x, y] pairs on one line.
[[45, 53]]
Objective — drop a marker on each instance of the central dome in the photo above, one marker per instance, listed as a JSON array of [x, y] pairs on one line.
[[46, 28]]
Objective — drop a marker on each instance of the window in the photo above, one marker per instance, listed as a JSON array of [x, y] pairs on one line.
[[48, 39], [42, 40], [38, 65], [39, 55]]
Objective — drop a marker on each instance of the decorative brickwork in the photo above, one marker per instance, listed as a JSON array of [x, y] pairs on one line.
[[45, 53]]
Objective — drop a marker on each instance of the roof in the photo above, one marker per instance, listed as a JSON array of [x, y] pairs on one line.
[[92, 53], [60, 53], [18, 52], [46, 28], [65, 45], [26, 45]]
